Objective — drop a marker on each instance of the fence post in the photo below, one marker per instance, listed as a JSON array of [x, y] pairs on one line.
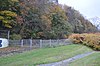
[[30, 43], [8, 34], [58, 41], [40, 43], [50, 42], [22, 43]]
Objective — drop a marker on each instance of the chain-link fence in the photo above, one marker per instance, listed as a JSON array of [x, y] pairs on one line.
[[19, 46], [39, 43]]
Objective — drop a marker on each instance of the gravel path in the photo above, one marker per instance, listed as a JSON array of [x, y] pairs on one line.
[[67, 61]]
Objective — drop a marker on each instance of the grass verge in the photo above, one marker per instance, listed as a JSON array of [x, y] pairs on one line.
[[91, 60], [44, 55]]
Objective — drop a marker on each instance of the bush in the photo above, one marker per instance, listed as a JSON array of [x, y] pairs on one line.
[[76, 38], [15, 37], [91, 40]]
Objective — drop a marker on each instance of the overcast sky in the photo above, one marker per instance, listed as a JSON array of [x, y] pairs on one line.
[[89, 8]]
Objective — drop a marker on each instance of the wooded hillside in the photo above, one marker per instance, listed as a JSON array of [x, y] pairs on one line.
[[41, 19]]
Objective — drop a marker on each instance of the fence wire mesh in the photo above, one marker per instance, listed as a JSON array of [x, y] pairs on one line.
[[39, 43]]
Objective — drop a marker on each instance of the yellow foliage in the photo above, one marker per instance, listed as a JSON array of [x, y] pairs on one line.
[[14, 0], [8, 13], [76, 38], [91, 40], [7, 25], [7, 17], [5, 21], [1, 17]]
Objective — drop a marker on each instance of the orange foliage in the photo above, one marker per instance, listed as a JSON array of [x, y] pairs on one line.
[[91, 40], [76, 38]]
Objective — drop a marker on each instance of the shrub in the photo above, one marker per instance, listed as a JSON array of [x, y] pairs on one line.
[[91, 40], [15, 37], [76, 38]]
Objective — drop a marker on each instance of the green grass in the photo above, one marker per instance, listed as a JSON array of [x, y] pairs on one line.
[[91, 60], [44, 55]]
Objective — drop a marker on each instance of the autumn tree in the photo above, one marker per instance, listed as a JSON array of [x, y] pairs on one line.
[[7, 14], [41, 19], [78, 22]]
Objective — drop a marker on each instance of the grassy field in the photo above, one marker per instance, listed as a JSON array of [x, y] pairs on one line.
[[44, 55], [91, 60]]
